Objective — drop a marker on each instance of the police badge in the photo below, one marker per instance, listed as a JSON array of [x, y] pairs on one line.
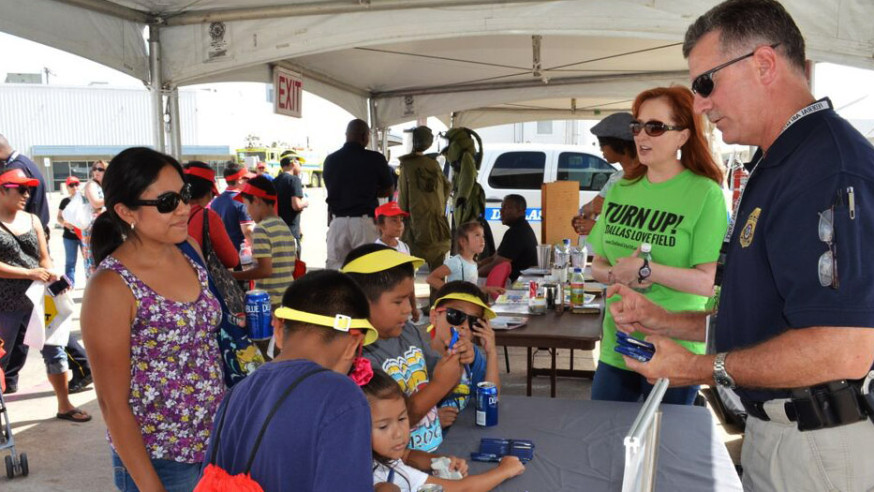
[[746, 234]]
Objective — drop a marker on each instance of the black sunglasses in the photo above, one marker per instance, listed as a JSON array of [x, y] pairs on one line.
[[169, 201], [703, 84], [457, 317], [24, 190], [653, 128], [96, 169]]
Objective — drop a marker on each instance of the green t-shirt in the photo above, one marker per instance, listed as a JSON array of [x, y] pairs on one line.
[[273, 239], [684, 219]]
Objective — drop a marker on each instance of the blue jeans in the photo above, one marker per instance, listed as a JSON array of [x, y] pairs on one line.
[[614, 384], [176, 476], [71, 255]]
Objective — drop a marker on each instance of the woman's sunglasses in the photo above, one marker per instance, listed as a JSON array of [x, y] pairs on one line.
[[24, 190], [169, 201], [703, 84], [653, 128], [457, 317], [98, 169]]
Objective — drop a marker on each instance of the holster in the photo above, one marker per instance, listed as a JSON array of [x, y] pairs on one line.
[[827, 405]]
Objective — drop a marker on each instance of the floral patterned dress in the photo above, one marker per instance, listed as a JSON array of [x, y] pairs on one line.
[[176, 377]]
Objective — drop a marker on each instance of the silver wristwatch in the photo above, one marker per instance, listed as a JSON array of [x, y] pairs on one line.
[[720, 375]]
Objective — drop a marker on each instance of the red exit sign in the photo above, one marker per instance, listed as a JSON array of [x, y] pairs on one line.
[[287, 92]]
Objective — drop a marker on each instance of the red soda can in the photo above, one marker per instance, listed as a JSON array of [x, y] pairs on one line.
[[532, 289]]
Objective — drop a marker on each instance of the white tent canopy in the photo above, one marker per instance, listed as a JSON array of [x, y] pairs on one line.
[[398, 60]]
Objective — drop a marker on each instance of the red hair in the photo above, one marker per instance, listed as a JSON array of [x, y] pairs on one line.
[[696, 153]]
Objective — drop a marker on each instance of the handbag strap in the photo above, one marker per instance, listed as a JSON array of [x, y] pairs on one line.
[[266, 423], [188, 250]]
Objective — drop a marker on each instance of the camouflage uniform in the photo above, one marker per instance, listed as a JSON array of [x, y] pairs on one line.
[[423, 192]]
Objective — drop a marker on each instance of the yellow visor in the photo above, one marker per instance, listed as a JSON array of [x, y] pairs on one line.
[[380, 261], [338, 322], [460, 296]]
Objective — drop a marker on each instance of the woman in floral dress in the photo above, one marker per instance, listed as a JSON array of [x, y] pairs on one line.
[[149, 321]]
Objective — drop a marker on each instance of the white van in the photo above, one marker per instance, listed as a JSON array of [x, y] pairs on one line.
[[521, 169]]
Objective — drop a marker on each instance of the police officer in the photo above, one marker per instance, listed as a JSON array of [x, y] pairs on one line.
[[795, 327], [423, 191]]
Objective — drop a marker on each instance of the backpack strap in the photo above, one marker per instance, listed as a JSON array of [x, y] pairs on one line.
[[273, 412], [224, 412]]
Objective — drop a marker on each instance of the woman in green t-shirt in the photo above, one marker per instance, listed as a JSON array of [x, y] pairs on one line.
[[674, 202]]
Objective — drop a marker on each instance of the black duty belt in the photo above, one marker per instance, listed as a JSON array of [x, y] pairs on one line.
[[823, 406]]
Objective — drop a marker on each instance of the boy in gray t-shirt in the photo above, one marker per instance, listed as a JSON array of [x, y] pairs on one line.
[[402, 351]]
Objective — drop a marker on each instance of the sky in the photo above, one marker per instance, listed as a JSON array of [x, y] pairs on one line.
[[323, 123]]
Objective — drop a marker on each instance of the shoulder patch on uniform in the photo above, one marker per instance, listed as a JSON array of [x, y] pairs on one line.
[[746, 234]]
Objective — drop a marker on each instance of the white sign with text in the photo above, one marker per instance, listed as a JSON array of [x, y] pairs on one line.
[[287, 92]]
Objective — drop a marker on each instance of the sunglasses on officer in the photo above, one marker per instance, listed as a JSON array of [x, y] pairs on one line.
[[703, 84], [169, 201], [828, 261], [457, 317], [653, 128]]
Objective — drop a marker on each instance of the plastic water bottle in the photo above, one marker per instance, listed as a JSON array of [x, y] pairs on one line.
[[578, 289], [562, 253], [646, 254], [245, 254]]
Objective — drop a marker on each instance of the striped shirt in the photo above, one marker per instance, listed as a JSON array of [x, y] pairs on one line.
[[273, 240]]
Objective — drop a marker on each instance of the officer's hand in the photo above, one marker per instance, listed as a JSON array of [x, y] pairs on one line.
[[671, 360], [634, 312]]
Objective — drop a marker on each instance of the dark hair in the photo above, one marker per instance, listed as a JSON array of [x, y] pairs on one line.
[[517, 200], [231, 168], [383, 387], [464, 229], [328, 293], [199, 186], [262, 183], [744, 25], [461, 287], [374, 284], [285, 162], [128, 175], [619, 146], [696, 153]]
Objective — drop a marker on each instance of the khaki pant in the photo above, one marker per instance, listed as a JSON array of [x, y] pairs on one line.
[[776, 456], [346, 234]]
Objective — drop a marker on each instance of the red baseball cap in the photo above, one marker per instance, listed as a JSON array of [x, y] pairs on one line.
[[71, 180], [17, 176], [390, 209]]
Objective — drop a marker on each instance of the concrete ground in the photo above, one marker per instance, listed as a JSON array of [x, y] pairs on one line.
[[73, 457]]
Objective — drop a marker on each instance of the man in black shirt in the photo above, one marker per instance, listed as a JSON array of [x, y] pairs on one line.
[[355, 178], [290, 200], [519, 245]]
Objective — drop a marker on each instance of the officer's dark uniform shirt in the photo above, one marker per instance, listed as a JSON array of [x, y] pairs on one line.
[[771, 282], [288, 185], [37, 204], [520, 246], [353, 177]]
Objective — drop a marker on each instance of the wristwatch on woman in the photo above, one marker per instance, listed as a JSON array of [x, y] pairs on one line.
[[644, 272]]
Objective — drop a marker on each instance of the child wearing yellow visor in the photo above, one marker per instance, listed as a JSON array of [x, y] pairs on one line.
[[320, 412], [403, 351], [462, 308]]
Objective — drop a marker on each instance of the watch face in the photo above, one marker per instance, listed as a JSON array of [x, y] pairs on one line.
[[645, 272]]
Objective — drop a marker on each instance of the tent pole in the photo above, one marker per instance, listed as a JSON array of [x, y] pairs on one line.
[[174, 124], [374, 131], [155, 86], [384, 141]]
